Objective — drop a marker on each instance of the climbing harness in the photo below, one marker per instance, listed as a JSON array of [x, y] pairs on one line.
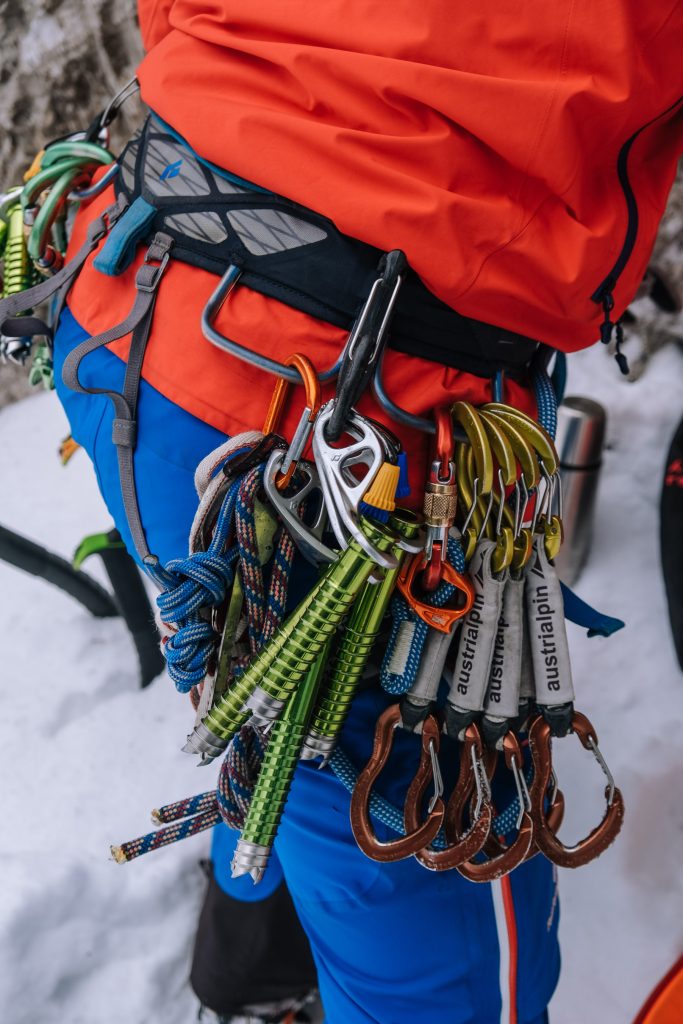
[[463, 599]]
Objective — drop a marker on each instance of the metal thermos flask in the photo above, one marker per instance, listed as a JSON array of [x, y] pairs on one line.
[[581, 425]]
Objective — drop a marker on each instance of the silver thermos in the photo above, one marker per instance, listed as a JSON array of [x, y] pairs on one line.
[[581, 425]]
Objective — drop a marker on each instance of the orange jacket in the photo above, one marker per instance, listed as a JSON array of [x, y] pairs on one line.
[[483, 139]]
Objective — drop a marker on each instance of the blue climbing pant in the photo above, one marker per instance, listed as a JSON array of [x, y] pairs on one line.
[[393, 943]]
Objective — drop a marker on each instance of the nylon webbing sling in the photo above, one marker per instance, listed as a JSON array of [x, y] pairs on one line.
[[124, 427]]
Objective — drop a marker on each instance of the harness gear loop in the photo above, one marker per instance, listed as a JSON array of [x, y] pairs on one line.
[[305, 426], [412, 842], [597, 841], [224, 289]]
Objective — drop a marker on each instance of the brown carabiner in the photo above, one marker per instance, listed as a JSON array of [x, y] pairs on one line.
[[502, 858], [554, 814], [443, 618], [423, 834], [604, 834], [472, 841], [277, 403]]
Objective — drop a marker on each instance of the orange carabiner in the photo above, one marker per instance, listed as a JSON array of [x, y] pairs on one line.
[[597, 841], [423, 834], [303, 431], [443, 618]]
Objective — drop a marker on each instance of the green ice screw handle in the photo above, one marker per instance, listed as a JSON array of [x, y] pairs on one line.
[[279, 666], [354, 651], [275, 777], [17, 273]]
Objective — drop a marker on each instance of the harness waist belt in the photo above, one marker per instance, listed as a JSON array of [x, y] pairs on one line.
[[286, 252]]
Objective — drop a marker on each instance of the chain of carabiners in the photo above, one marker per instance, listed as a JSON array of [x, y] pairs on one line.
[[35, 219]]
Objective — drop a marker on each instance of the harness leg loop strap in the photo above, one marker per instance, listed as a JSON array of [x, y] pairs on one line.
[[124, 428]]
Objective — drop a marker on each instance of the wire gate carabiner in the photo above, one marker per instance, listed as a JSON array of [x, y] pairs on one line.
[[604, 834], [422, 833]]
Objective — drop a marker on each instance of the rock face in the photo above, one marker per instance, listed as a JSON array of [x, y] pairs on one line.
[[61, 61]]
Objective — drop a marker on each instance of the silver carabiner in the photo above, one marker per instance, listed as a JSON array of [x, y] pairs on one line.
[[342, 489], [289, 503]]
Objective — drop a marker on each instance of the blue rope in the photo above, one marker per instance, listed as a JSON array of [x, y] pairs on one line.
[[199, 581], [546, 400], [559, 376], [385, 812]]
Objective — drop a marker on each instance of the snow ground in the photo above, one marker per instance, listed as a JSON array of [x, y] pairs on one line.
[[85, 754]]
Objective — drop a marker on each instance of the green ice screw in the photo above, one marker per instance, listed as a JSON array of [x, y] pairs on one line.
[[17, 271], [275, 777], [352, 656], [278, 668]]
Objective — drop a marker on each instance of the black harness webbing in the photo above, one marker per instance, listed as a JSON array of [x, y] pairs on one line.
[[287, 252]]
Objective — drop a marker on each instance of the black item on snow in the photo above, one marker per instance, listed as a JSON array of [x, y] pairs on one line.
[[32, 558], [671, 537], [247, 953], [134, 606]]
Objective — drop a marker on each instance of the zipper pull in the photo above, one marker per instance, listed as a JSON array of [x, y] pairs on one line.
[[608, 327]]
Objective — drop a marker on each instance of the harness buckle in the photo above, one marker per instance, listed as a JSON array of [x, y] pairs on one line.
[[155, 263]]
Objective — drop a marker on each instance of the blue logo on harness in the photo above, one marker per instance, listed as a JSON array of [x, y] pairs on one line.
[[172, 171]]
